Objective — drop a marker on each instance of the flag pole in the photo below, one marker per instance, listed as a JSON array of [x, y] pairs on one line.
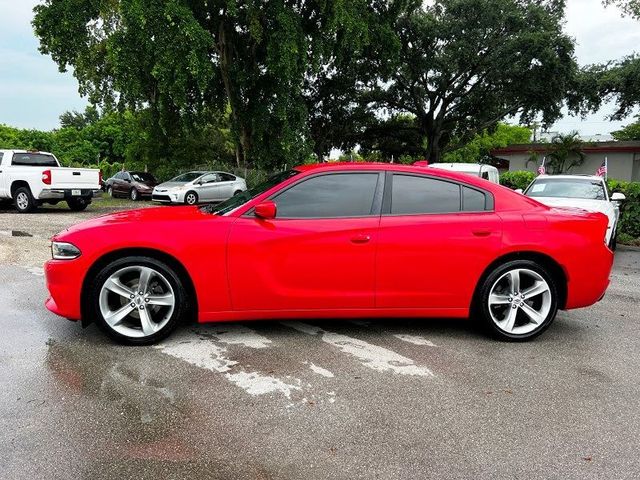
[[606, 168]]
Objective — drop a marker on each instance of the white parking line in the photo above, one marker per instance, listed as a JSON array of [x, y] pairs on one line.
[[202, 352], [415, 339], [321, 371], [372, 356]]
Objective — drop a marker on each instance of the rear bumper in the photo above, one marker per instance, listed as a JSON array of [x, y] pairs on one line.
[[64, 193], [589, 277], [64, 282]]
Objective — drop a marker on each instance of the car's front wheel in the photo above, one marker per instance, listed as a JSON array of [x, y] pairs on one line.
[[518, 300], [191, 198], [138, 300]]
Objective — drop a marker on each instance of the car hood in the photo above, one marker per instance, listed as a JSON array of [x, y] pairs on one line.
[[586, 204], [169, 185], [136, 217]]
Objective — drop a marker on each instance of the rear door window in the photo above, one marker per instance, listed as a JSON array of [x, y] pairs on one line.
[[412, 195]]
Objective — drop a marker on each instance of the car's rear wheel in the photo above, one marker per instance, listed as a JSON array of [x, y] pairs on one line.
[[138, 300], [24, 201], [518, 300], [191, 198], [237, 192]]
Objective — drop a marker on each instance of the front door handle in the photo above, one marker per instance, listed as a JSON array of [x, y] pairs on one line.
[[481, 232], [361, 238]]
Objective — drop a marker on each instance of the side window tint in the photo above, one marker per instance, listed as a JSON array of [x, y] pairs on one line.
[[226, 177], [415, 195], [473, 200], [329, 196], [210, 178]]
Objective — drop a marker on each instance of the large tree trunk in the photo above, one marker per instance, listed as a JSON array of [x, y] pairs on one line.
[[225, 50], [434, 146]]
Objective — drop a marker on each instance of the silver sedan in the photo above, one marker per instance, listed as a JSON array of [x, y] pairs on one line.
[[194, 187]]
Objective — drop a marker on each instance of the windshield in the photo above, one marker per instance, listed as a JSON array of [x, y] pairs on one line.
[[186, 177], [242, 198], [143, 177], [567, 188]]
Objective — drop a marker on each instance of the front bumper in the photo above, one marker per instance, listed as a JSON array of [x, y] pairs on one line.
[[168, 197], [65, 193], [64, 282]]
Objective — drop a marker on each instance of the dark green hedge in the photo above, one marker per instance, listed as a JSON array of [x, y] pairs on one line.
[[630, 210], [517, 179]]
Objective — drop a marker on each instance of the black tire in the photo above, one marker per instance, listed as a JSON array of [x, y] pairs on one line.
[[110, 191], [178, 315], [190, 198], [24, 201], [134, 195], [78, 204], [482, 309], [237, 192], [613, 243]]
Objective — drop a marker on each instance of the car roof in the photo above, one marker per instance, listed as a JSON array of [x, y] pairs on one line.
[[570, 177], [397, 167], [19, 150]]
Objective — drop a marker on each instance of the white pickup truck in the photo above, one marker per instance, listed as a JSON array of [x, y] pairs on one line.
[[31, 178]]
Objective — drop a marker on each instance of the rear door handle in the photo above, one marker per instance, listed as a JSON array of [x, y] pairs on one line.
[[361, 238], [481, 233]]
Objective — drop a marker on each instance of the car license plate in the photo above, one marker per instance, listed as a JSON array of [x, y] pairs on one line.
[[76, 193]]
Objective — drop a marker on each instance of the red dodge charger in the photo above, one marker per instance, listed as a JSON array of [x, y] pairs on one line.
[[334, 240]]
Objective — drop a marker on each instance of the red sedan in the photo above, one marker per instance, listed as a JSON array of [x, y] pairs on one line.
[[334, 240]]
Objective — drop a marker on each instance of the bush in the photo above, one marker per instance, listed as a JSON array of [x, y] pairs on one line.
[[517, 179], [630, 209]]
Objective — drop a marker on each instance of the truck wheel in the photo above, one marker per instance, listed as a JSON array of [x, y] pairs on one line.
[[24, 201], [78, 204]]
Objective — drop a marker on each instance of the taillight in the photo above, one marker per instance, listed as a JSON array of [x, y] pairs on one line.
[[46, 177]]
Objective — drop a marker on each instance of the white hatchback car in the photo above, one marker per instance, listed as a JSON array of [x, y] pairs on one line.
[[579, 191], [196, 187]]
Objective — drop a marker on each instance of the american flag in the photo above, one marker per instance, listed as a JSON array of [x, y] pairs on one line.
[[541, 169], [602, 171]]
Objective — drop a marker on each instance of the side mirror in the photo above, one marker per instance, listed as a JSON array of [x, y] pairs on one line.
[[266, 210], [519, 190], [618, 197]]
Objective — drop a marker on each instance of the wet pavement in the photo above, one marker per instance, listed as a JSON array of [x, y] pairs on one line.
[[327, 399]]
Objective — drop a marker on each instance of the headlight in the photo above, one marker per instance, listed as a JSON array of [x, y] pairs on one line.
[[64, 251]]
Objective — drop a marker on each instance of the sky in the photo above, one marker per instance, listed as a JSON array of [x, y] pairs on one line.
[[33, 93]]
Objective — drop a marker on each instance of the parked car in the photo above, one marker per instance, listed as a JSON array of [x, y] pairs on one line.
[[132, 185], [488, 172], [346, 241], [196, 187], [32, 178], [579, 191]]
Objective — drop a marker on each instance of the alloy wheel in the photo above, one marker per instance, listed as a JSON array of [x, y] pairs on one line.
[[22, 201], [136, 301], [191, 198], [520, 301]]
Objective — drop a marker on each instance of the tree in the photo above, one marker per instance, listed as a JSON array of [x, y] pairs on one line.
[[390, 139], [630, 7], [565, 152], [629, 133], [478, 149], [179, 59], [460, 72]]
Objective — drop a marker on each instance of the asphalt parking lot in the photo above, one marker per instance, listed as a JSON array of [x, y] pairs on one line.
[[338, 399]]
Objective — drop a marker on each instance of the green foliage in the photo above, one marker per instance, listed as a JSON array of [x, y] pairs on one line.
[[628, 133], [392, 138], [630, 210], [630, 7], [180, 59], [565, 152], [479, 148], [460, 72], [517, 179]]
